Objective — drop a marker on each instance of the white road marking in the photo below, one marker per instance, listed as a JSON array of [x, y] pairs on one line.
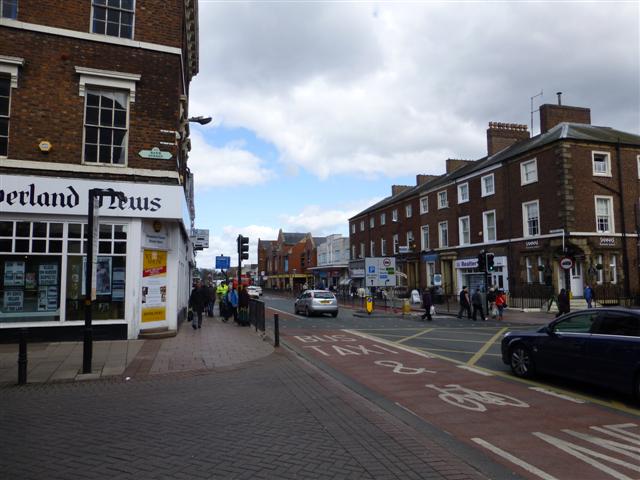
[[513, 459], [386, 342], [475, 370], [619, 431], [556, 394]]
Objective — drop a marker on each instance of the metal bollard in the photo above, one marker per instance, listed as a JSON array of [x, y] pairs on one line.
[[276, 330], [22, 357]]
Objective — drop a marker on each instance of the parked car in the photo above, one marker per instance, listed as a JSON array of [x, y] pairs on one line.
[[311, 302], [599, 346]]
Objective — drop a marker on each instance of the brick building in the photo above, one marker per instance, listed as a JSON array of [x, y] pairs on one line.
[[572, 191], [94, 95], [286, 263]]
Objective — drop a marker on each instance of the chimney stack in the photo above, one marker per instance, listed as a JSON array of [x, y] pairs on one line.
[[396, 189], [454, 164], [552, 115], [422, 179], [502, 135]]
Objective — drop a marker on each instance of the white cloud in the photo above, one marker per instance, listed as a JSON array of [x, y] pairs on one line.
[[221, 167], [395, 89]]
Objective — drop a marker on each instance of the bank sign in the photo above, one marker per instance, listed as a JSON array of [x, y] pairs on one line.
[[70, 196], [380, 271]]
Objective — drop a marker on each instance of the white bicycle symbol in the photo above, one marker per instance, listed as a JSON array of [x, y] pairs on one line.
[[400, 368], [473, 399]]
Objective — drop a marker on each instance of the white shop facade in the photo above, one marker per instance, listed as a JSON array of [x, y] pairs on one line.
[[144, 260]]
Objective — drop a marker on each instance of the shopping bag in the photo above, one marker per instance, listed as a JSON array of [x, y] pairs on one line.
[[432, 310]]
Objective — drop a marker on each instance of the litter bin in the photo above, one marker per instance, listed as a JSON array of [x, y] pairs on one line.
[[406, 306]]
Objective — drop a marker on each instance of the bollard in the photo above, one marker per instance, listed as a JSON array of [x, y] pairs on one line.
[[22, 357], [276, 330]]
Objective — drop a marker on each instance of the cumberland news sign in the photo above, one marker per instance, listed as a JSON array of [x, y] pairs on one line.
[[48, 195]]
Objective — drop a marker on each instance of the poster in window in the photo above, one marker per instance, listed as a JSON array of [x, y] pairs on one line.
[[13, 300], [48, 274], [13, 274], [47, 298], [30, 281], [118, 284], [154, 286], [103, 276]]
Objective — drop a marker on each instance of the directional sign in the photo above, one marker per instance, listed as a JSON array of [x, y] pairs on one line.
[[222, 262], [380, 271]]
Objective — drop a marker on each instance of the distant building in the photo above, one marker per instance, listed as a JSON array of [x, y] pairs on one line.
[[566, 197], [332, 270], [94, 95]]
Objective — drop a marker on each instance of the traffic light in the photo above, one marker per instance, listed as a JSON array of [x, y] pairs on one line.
[[243, 247], [481, 263], [490, 265]]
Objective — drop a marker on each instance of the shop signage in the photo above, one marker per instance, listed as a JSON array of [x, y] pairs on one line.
[[532, 243], [467, 263], [607, 241], [156, 154], [70, 196], [356, 272], [154, 237]]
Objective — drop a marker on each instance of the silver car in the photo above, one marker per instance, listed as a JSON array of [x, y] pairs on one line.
[[316, 301]]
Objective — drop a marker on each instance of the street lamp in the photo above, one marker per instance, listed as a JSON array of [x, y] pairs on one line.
[[92, 251], [200, 119]]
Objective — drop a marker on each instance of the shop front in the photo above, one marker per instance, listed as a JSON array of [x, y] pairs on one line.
[[468, 274], [144, 257]]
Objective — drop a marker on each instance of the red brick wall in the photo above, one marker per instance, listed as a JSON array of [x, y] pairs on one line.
[[47, 104], [155, 21]]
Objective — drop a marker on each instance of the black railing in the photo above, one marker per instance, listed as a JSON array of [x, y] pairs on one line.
[[256, 314], [532, 295]]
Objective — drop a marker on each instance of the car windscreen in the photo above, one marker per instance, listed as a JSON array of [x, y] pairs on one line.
[[323, 295]]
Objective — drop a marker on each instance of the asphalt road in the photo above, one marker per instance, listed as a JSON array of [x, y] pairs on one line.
[[449, 374]]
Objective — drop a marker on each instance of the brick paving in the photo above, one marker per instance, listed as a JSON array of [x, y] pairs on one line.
[[276, 418]]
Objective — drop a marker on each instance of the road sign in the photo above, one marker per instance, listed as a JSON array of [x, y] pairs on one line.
[[380, 271], [155, 153], [223, 263], [566, 263]]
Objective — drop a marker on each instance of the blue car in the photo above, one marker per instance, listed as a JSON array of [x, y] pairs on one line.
[[599, 346]]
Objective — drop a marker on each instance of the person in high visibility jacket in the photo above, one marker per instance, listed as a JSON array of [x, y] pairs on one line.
[[221, 291]]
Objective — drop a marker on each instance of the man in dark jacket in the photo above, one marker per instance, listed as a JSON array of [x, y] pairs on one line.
[[211, 299], [427, 303], [564, 303], [198, 301], [464, 303], [476, 302]]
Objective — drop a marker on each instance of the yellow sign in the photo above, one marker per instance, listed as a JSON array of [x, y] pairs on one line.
[[156, 314]]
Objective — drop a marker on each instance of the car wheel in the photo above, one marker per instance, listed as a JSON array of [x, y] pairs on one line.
[[521, 361], [334, 314]]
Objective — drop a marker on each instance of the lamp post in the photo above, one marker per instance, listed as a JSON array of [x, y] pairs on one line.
[[200, 119], [92, 251], [567, 279]]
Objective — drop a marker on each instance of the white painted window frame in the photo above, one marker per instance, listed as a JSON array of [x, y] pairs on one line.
[[395, 243], [424, 201], [525, 219], [462, 231], [394, 215], [610, 213], [463, 186], [484, 192], [523, 172], [443, 234], [383, 219], [362, 225], [408, 210], [383, 247], [133, 24], [607, 172], [372, 248], [443, 201], [424, 237], [486, 227], [372, 222]]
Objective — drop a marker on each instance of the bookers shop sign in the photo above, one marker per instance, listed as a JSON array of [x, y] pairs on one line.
[[70, 196]]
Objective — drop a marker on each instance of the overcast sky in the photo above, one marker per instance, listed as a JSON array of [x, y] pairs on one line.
[[319, 107]]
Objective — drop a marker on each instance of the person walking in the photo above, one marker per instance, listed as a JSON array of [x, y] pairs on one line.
[[465, 305], [491, 300], [564, 303], [588, 296], [501, 303], [198, 301], [476, 302], [243, 306], [232, 303], [221, 293], [211, 299], [427, 303]]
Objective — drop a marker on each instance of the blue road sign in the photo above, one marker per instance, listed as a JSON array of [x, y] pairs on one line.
[[223, 263]]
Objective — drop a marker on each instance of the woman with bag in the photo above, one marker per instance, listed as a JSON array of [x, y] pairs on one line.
[[501, 303]]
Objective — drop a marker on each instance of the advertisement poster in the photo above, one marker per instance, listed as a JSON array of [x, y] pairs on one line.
[[103, 276], [13, 300], [118, 284], [48, 274], [154, 286], [48, 299], [13, 274]]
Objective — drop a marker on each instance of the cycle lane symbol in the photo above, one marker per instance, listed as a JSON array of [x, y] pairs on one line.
[[398, 367], [475, 400]]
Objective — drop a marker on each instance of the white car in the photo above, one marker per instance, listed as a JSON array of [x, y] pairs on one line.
[[254, 292]]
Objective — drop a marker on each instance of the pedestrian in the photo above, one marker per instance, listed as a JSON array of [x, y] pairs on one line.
[[232, 303], [501, 303], [243, 306], [476, 302], [564, 304], [491, 299], [427, 303], [221, 293], [465, 305], [305, 287], [198, 301], [211, 297], [588, 296]]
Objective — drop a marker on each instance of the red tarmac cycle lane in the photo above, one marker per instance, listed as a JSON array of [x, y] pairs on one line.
[[535, 434]]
